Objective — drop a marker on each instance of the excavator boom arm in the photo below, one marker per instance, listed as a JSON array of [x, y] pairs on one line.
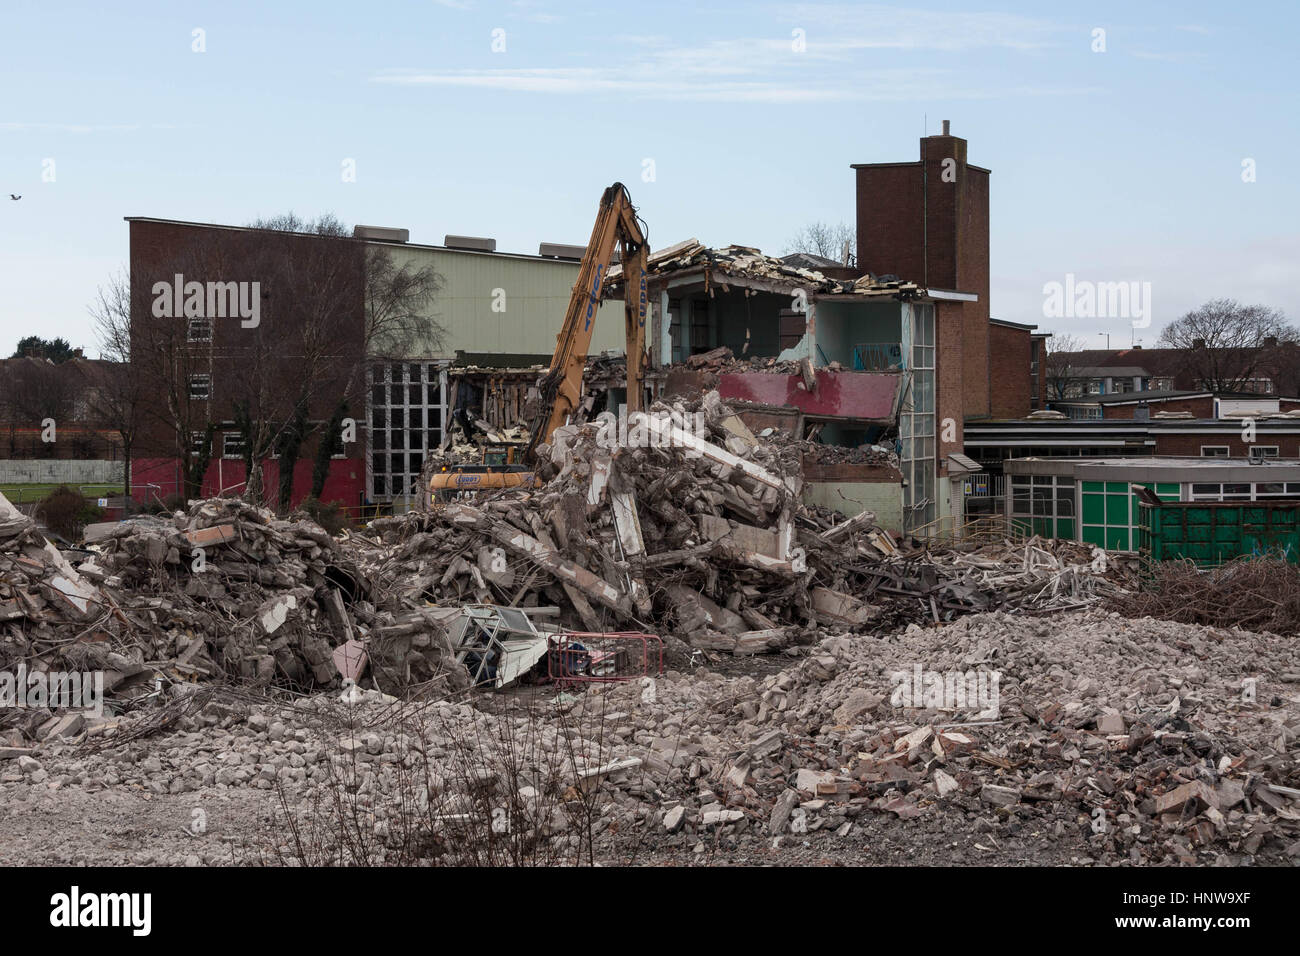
[[561, 387]]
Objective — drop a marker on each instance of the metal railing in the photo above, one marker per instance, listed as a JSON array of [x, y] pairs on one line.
[[949, 529]]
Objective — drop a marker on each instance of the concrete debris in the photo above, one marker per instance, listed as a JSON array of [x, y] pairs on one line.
[[224, 591], [683, 523], [829, 741], [750, 263]]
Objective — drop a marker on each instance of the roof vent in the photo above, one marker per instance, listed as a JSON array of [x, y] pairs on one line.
[[559, 250], [474, 243], [381, 233]]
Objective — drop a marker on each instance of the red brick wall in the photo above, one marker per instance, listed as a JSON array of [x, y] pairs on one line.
[[914, 224], [889, 220], [972, 253], [262, 365], [950, 401], [1008, 375]]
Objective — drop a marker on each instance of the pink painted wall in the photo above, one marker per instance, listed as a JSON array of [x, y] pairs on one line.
[[345, 483], [859, 395]]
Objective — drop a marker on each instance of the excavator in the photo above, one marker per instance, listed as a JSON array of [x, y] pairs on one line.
[[560, 387]]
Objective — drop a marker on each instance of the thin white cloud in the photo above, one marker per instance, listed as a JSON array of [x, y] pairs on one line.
[[817, 56], [533, 11], [1167, 57], [876, 26], [83, 127], [877, 85]]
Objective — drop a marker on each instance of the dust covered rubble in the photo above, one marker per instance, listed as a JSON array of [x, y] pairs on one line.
[[1130, 736], [223, 592]]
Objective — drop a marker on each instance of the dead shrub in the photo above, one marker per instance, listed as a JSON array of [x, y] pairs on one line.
[[1253, 593]]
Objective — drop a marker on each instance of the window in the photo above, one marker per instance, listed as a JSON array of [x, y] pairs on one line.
[[1035, 349], [1263, 451], [197, 443], [232, 445], [407, 406], [1214, 451], [199, 329], [1245, 492], [1044, 505], [917, 422], [200, 387]]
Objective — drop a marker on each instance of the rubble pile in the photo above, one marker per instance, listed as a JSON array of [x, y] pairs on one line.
[[1112, 740], [641, 537], [1134, 737], [873, 454], [694, 528], [1034, 576], [51, 618], [225, 591], [1138, 731], [748, 261], [229, 589]]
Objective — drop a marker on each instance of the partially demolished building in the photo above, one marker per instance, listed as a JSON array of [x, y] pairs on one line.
[[878, 363]]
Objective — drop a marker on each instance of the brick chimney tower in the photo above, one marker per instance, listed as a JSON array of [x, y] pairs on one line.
[[928, 222]]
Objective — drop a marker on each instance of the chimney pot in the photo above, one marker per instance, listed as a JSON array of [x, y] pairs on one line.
[[945, 127]]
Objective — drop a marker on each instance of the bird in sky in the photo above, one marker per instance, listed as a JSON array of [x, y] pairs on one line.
[[13, 197]]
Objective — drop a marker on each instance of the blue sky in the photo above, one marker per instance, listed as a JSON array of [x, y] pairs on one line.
[[1119, 165]]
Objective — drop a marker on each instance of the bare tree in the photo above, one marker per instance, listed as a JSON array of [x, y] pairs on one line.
[[1224, 344], [1059, 369], [825, 240], [319, 328], [121, 393], [38, 389]]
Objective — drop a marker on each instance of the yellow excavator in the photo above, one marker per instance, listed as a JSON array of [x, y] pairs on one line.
[[561, 387]]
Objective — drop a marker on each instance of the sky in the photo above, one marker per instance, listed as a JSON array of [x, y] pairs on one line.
[[1159, 150]]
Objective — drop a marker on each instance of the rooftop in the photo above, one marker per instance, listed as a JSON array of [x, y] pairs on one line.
[[375, 235], [748, 266]]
